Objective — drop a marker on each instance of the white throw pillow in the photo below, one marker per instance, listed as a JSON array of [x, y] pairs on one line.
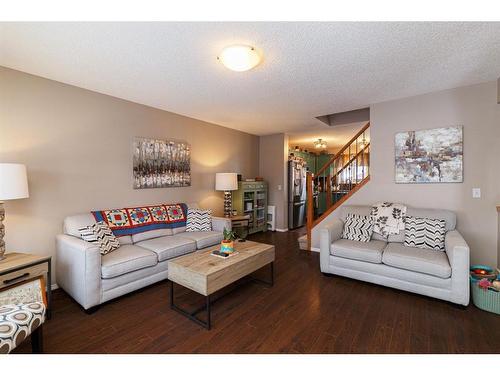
[[100, 234], [199, 220]]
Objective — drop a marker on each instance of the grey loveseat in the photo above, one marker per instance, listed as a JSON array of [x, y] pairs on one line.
[[141, 260], [438, 274]]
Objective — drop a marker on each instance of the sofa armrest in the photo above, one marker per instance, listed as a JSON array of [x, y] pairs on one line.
[[458, 253], [219, 223], [330, 233], [78, 269]]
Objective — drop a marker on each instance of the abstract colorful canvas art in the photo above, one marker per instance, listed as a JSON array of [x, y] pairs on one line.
[[427, 156], [160, 163]]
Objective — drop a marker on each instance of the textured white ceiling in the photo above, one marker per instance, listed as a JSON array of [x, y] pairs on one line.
[[309, 69]]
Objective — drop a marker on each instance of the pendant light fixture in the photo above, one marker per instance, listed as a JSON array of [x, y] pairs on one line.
[[320, 144]]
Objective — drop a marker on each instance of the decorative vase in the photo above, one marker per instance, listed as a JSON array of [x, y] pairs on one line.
[[227, 247]]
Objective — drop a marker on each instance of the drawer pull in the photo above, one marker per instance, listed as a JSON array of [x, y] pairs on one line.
[[16, 278]]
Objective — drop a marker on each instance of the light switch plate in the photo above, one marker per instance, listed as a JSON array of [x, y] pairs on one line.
[[476, 193]]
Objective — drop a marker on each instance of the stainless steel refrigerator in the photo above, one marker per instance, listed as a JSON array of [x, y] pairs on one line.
[[296, 194]]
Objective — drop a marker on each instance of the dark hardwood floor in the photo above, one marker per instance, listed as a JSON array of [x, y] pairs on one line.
[[305, 312]]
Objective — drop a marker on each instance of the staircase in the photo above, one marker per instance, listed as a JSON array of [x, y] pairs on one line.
[[346, 172]]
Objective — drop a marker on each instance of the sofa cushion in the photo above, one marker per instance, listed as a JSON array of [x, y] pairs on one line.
[[72, 224], [370, 251], [168, 247], [151, 234], [127, 258], [426, 261], [203, 239], [179, 230]]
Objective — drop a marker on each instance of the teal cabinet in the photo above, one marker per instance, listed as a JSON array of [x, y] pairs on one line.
[[322, 160], [251, 199]]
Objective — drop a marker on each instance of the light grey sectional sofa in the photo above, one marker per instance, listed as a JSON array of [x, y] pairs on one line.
[[443, 275], [141, 260]]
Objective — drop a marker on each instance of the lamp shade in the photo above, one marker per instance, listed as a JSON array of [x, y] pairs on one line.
[[13, 181], [226, 181]]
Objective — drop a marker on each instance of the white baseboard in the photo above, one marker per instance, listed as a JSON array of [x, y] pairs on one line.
[[281, 230], [315, 249], [54, 287]]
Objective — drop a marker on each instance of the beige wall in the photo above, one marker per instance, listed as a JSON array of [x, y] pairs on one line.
[[473, 107], [77, 146], [498, 238], [498, 91], [273, 155]]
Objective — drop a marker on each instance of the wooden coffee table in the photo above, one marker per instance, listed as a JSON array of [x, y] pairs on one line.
[[206, 274]]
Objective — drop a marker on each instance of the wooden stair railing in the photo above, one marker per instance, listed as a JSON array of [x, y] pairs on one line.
[[350, 162], [343, 175]]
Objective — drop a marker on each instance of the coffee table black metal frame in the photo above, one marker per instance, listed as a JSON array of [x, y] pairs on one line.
[[207, 324]]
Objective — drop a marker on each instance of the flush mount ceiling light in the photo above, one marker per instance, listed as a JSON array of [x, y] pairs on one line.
[[320, 143], [239, 58]]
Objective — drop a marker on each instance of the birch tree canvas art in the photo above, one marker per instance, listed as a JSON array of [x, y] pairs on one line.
[[161, 163], [427, 156]]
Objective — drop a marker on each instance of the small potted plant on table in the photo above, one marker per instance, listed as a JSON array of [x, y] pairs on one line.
[[227, 244]]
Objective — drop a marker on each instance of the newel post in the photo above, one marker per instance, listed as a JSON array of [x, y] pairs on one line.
[[310, 208]]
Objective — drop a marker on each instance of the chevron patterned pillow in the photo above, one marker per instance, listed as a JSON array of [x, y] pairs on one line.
[[199, 220], [425, 233], [358, 228], [100, 234]]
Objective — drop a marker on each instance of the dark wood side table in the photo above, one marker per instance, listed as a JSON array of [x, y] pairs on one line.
[[17, 267]]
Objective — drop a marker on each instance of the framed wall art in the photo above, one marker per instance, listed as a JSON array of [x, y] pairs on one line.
[[429, 156], [161, 163]]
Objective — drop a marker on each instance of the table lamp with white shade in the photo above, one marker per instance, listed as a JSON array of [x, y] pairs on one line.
[[13, 185], [226, 182]]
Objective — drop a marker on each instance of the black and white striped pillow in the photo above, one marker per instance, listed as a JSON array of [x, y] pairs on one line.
[[199, 220], [100, 234], [425, 233], [358, 228]]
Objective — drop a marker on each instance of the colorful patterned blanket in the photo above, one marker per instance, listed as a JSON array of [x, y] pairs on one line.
[[127, 221]]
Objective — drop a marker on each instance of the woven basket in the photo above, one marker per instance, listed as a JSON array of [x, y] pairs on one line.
[[485, 299]]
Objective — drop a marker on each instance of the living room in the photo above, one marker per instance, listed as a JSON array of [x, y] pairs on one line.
[[249, 187]]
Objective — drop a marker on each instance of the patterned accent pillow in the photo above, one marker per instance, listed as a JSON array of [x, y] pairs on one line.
[[199, 220], [425, 233], [100, 234], [358, 228]]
